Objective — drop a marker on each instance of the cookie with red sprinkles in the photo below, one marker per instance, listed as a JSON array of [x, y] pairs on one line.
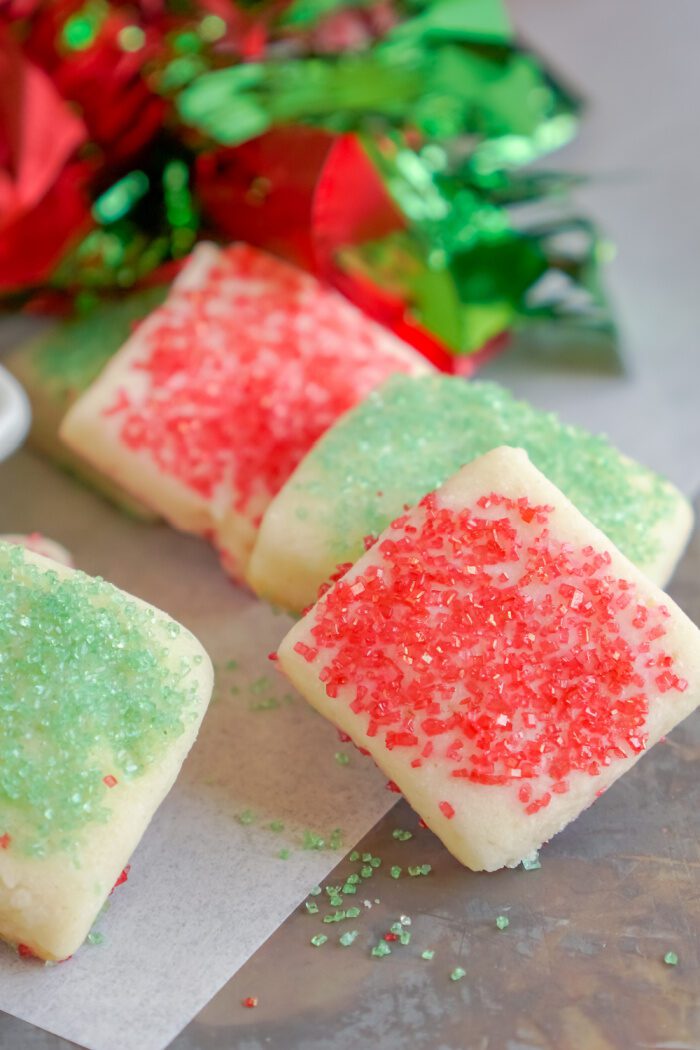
[[501, 661], [211, 404]]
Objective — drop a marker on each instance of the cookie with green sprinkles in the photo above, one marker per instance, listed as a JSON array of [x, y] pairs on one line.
[[101, 698], [406, 438], [60, 364]]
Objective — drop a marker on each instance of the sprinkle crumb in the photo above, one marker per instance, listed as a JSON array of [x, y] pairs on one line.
[[314, 891], [283, 854], [400, 835], [342, 759]]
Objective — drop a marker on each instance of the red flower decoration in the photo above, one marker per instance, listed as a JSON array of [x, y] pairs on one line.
[[103, 78], [263, 191], [42, 200]]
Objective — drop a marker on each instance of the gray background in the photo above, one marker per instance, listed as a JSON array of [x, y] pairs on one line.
[[583, 973]]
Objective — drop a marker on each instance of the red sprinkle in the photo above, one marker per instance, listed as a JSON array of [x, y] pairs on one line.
[[26, 952], [391, 937], [446, 809], [273, 656], [110, 781], [5, 841], [241, 376], [250, 1002], [391, 786], [122, 878], [502, 651]]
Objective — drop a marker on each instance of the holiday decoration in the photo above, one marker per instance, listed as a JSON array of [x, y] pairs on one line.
[[382, 146]]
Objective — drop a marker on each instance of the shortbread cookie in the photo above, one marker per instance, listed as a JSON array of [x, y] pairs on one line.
[[410, 435], [60, 364], [499, 659], [102, 697], [208, 409]]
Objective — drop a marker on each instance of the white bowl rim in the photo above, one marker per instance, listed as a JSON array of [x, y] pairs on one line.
[[14, 414]]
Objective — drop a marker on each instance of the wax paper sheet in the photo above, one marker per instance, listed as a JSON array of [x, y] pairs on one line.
[[211, 879]]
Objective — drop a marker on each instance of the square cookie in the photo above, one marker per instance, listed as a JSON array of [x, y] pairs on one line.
[[499, 659], [207, 410], [102, 698], [408, 437]]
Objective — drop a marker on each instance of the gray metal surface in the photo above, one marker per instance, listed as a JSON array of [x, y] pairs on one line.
[[580, 966]]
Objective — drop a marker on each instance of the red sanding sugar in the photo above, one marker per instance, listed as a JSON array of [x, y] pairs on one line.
[[483, 641], [240, 377]]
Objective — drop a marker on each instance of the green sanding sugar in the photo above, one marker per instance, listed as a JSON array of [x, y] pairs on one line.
[[89, 697], [671, 959], [380, 950], [502, 922], [428, 954], [409, 436], [348, 938], [72, 354], [458, 973], [318, 939]]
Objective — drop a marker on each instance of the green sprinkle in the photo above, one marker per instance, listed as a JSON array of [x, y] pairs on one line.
[[275, 825], [336, 838], [428, 954], [420, 431], [502, 922], [314, 891], [318, 939], [341, 758], [532, 862], [420, 869], [400, 835], [348, 938], [311, 907], [283, 854], [366, 857], [352, 913], [367, 872], [405, 937], [95, 938], [375, 862], [86, 694], [336, 901], [349, 887], [396, 927], [380, 950], [246, 817], [396, 871], [458, 973], [354, 855], [353, 879], [313, 841], [336, 916], [671, 959]]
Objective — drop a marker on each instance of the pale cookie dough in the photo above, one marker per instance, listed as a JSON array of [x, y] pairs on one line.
[[206, 411], [499, 659], [58, 366], [407, 438], [102, 698]]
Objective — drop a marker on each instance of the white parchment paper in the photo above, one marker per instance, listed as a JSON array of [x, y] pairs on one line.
[[206, 887]]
